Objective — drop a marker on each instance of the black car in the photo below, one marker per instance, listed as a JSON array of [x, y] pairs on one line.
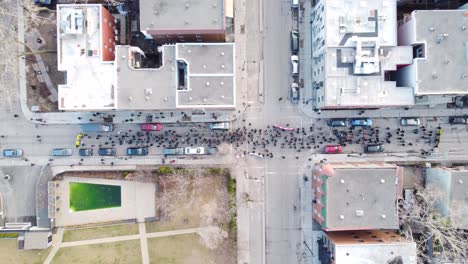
[[338, 122], [454, 120], [374, 148], [143, 151], [106, 152], [85, 152]]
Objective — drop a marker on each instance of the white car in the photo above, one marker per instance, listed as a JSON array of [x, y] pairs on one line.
[[195, 151], [294, 65]]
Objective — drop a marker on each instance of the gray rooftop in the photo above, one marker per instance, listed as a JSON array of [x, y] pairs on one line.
[[362, 199], [36, 239], [459, 199], [181, 15], [210, 78], [444, 70], [145, 88], [344, 88]]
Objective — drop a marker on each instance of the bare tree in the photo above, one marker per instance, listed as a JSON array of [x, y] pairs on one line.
[[448, 241], [32, 16]]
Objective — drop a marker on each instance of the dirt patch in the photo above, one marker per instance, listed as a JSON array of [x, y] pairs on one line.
[[38, 94]]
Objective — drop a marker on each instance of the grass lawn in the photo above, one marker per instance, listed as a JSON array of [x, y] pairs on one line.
[[117, 252], [9, 253], [100, 232], [158, 226], [179, 249]]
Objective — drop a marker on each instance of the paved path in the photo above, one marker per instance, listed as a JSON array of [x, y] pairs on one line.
[[143, 243], [56, 244]]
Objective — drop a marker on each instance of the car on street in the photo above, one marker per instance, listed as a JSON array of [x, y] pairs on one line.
[[78, 140], [173, 151], [294, 93], [12, 153], [337, 122], [294, 65], [332, 149], [141, 151], [106, 151], [283, 128], [374, 148], [294, 41], [410, 121], [458, 120], [194, 150], [361, 122], [220, 126], [85, 152], [62, 152], [151, 127], [98, 128]]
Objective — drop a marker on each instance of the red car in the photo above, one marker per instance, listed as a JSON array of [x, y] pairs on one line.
[[151, 127], [332, 149]]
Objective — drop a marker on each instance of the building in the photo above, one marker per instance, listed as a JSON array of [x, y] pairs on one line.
[[355, 55], [169, 21], [356, 196], [85, 51], [373, 246], [450, 185], [101, 75], [439, 40], [29, 237]]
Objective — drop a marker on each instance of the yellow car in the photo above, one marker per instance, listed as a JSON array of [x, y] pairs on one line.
[[78, 140]]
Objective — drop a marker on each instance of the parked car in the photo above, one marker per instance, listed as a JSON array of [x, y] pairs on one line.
[[62, 152], [12, 153], [294, 93], [212, 150], [142, 151], [332, 149], [410, 121], [374, 148], [78, 140], [195, 151], [85, 152], [361, 122], [97, 127], [337, 122], [220, 126], [294, 41], [295, 65], [106, 151], [173, 151], [294, 3], [456, 120], [151, 127]]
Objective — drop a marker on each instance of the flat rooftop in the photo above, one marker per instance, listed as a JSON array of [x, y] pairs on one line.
[[361, 46], [209, 78], [363, 198], [89, 79], [175, 15], [343, 87], [366, 18], [444, 70]]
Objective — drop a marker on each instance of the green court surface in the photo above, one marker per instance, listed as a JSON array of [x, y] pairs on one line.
[[88, 196]]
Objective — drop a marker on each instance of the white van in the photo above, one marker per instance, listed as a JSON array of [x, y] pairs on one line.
[[294, 3], [295, 65]]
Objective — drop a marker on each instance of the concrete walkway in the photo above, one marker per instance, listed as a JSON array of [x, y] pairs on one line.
[[143, 243], [56, 244], [143, 236]]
